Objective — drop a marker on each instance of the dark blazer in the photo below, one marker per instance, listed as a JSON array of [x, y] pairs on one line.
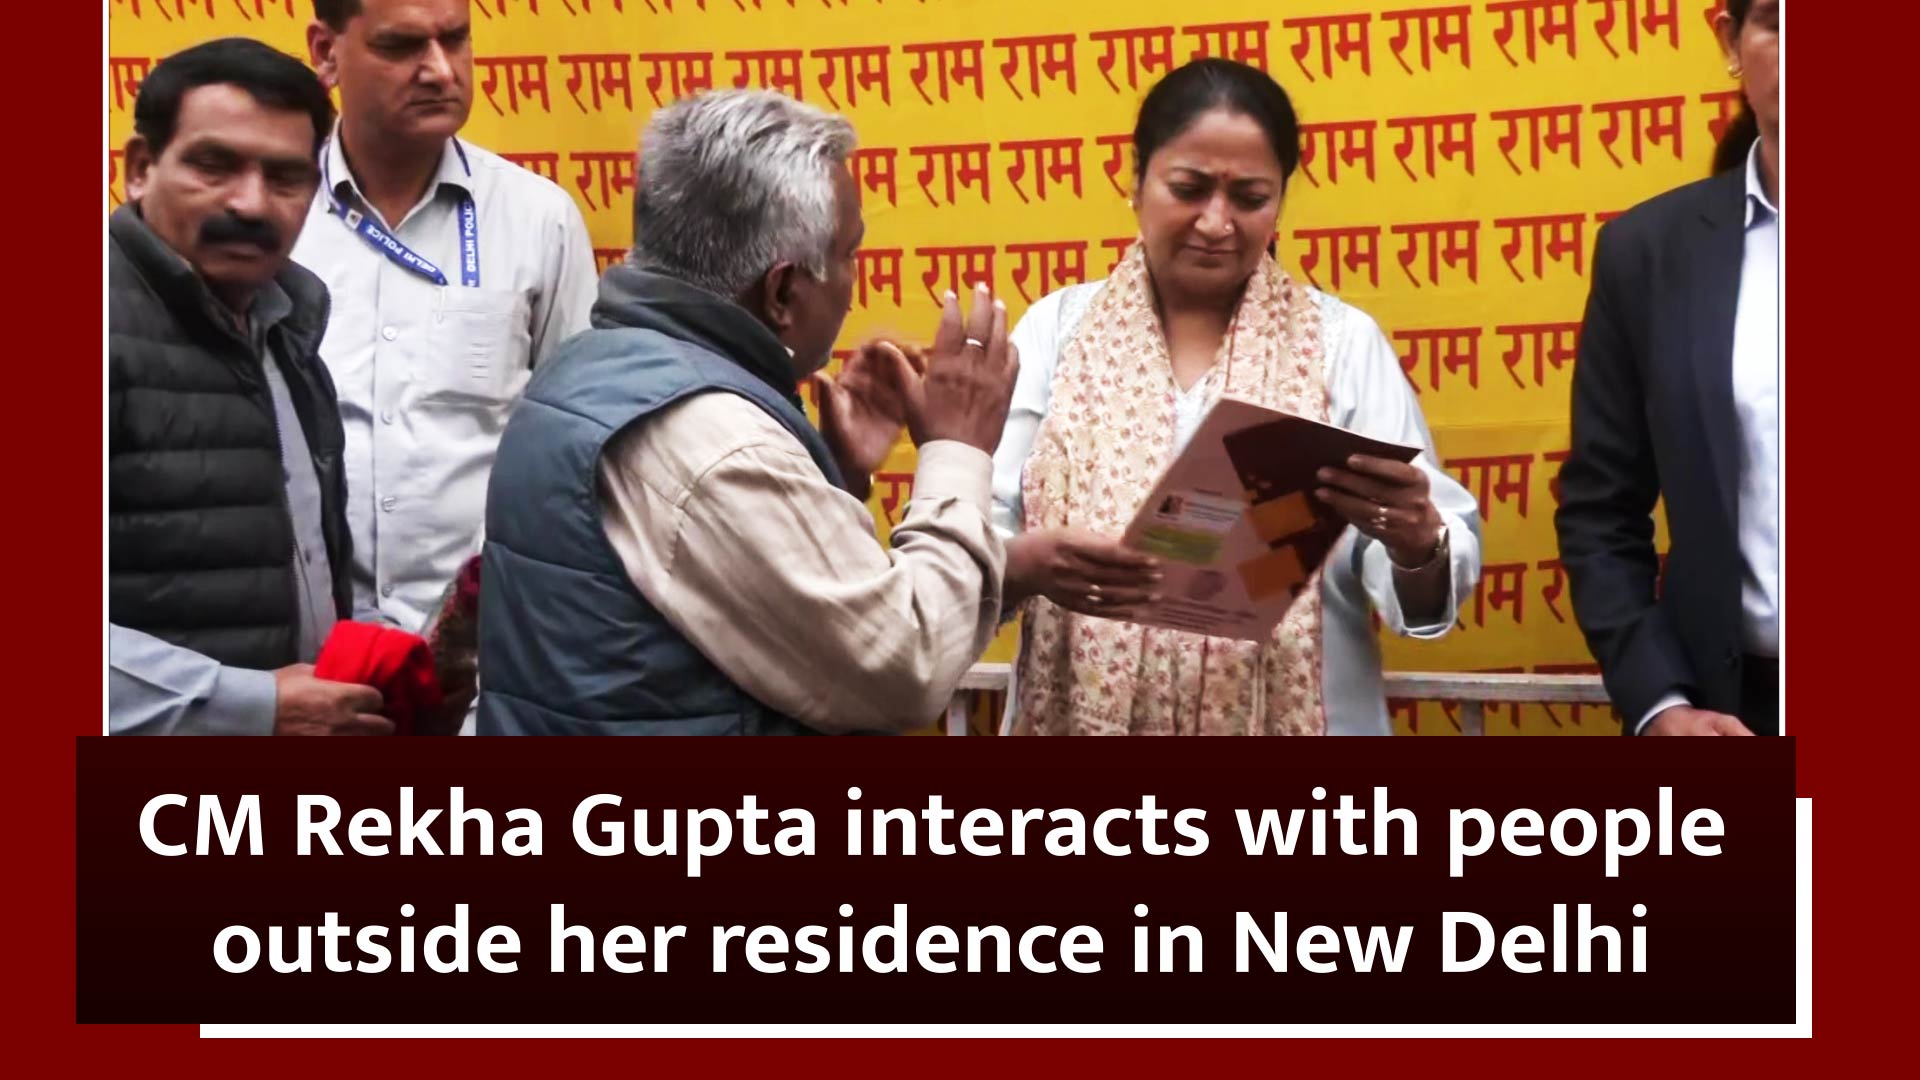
[[1653, 416]]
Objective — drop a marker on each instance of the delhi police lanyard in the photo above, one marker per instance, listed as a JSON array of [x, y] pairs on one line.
[[400, 254]]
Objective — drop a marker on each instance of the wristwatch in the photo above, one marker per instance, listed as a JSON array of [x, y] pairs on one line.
[[1439, 551]]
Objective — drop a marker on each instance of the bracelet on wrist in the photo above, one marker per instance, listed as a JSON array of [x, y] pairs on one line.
[[1439, 550]]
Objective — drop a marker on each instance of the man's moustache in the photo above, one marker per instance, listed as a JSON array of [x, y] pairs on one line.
[[238, 230]]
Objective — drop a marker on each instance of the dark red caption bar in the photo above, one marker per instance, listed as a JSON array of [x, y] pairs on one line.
[[967, 880]]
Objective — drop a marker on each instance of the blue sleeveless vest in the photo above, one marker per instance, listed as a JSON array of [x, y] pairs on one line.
[[568, 645]]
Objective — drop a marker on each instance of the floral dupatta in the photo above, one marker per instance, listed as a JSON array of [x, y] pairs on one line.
[[1106, 439]]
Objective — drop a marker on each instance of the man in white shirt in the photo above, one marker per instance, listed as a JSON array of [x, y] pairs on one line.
[[453, 272]]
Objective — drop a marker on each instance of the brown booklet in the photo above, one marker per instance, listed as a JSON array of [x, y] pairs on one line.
[[1234, 521]]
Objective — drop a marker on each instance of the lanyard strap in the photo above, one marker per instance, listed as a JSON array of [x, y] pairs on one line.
[[400, 254]]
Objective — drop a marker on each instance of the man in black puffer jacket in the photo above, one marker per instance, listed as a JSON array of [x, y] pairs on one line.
[[227, 537]]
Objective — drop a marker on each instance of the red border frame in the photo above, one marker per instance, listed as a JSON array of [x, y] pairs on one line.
[[1842, 460]]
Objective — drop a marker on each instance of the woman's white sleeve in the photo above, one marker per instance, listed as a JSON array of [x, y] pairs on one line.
[[1369, 393], [1036, 335]]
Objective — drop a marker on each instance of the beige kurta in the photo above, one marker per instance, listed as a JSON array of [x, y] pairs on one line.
[[726, 525]]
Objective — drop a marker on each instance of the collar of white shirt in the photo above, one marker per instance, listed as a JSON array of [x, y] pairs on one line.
[[455, 172], [1756, 191]]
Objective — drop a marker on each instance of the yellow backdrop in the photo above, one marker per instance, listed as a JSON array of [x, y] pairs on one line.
[[1459, 160]]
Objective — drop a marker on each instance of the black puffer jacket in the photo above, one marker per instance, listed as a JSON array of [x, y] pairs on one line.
[[199, 535]]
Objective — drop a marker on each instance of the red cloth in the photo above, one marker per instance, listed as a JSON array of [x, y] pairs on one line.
[[467, 582], [394, 662]]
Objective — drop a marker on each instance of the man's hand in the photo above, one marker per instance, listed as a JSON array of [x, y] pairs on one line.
[[969, 380], [863, 409], [1684, 720], [309, 706]]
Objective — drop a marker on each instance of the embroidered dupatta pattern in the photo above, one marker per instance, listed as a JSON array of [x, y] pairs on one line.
[[1107, 437]]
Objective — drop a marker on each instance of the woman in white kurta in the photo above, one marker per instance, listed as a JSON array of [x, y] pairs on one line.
[[1116, 375]]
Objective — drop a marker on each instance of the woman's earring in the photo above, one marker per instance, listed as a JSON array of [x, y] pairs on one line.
[[1733, 70]]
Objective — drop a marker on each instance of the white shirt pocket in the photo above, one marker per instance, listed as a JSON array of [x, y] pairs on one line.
[[484, 340]]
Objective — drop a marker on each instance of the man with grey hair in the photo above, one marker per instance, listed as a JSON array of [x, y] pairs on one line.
[[671, 547]]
